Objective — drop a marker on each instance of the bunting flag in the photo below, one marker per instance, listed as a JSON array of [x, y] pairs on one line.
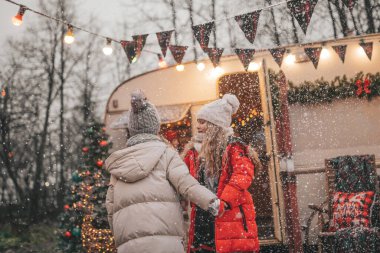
[[130, 49], [368, 47], [314, 53], [341, 51], [202, 33], [248, 24], [214, 54], [164, 40], [134, 48], [302, 11], [178, 52], [140, 42], [245, 56], [350, 3], [278, 55]]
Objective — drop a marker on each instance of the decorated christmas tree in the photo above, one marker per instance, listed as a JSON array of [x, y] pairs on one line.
[[72, 217], [84, 223]]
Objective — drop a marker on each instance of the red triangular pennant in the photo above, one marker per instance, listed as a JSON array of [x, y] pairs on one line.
[[140, 41], [245, 56], [134, 48], [314, 53], [202, 33], [349, 3], [248, 24], [164, 40], [214, 54], [278, 55], [302, 11], [178, 52], [341, 51], [130, 49], [368, 47]]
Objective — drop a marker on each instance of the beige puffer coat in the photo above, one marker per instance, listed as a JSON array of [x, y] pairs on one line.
[[143, 202]]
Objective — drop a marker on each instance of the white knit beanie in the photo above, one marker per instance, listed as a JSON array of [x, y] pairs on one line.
[[220, 111]]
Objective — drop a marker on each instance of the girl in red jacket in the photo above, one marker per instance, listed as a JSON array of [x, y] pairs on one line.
[[224, 166]]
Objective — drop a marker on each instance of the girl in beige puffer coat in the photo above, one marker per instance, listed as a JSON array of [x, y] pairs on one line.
[[147, 177]]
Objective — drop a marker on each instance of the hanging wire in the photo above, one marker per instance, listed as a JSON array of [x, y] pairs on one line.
[[118, 41], [215, 20]]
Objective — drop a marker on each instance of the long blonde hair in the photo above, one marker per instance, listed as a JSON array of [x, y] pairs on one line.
[[213, 145]]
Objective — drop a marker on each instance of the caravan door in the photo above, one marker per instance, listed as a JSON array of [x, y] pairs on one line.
[[254, 125]]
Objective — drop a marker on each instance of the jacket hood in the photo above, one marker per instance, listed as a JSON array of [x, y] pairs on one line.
[[136, 162]]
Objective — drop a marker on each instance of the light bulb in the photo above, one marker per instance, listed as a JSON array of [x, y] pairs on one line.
[[253, 66], [201, 66], [69, 37], [217, 71], [107, 49], [17, 20], [180, 67], [161, 61], [325, 54], [290, 59], [360, 51]]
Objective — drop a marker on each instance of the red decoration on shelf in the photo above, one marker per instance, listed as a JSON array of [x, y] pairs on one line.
[[66, 207], [68, 234], [85, 149], [99, 163], [103, 143]]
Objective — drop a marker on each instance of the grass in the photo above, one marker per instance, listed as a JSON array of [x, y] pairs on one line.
[[41, 238]]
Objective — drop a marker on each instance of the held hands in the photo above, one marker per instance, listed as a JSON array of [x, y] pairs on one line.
[[217, 207]]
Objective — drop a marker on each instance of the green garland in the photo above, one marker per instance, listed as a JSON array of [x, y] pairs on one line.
[[322, 91]]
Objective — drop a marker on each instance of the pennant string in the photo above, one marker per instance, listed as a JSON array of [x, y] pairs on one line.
[[118, 41]]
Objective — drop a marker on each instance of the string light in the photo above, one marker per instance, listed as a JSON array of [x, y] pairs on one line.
[[360, 51], [325, 54], [217, 71], [290, 59], [201, 66], [17, 20], [180, 67], [253, 66], [161, 61], [69, 37], [107, 49]]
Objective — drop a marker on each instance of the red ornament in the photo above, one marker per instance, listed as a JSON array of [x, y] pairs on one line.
[[66, 207], [85, 149], [99, 163], [68, 234], [103, 143], [367, 83], [360, 87], [88, 173]]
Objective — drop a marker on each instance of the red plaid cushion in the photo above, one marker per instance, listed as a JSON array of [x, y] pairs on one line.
[[351, 209]]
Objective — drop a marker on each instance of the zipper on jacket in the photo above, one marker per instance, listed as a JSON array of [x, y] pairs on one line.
[[243, 218]]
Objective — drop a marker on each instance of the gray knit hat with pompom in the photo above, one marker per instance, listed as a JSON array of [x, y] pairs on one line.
[[143, 116]]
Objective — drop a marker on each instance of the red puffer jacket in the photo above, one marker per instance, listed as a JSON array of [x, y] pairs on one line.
[[236, 229], [191, 160]]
